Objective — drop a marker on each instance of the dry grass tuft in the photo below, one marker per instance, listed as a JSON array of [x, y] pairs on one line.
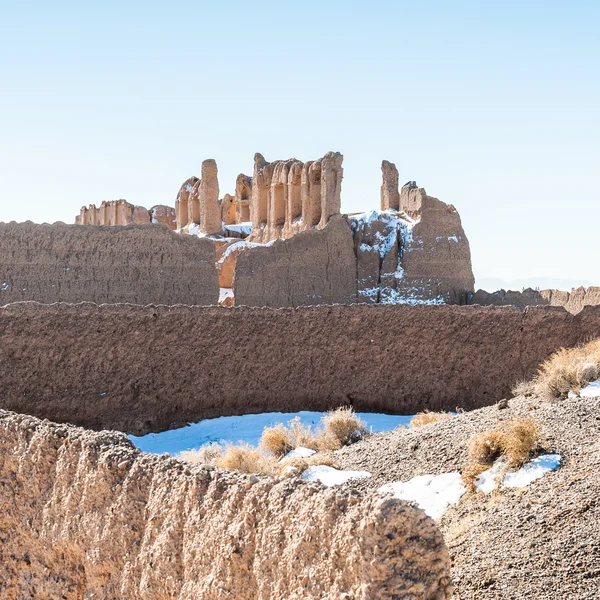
[[243, 458], [340, 427], [302, 435], [516, 441], [524, 388], [205, 455], [276, 440], [343, 425], [567, 370], [425, 417]]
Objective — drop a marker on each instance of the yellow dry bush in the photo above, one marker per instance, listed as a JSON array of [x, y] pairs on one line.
[[343, 425], [425, 417], [276, 440], [204, 455], [524, 388], [569, 369], [243, 458], [516, 441], [302, 435]]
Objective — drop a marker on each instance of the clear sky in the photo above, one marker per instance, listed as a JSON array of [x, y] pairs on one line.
[[491, 106]]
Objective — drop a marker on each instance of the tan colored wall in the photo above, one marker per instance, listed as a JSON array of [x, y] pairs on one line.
[[313, 267], [85, 515], [141, 369], [73, 263]]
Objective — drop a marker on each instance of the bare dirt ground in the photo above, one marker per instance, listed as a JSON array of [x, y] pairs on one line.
[[542, 541]]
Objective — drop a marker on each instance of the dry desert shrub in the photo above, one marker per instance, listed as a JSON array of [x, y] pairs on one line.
[[204, 455], [569, 369], [243, 458], [516, 441], [425, 417], [524, 388], [343, 425], [340, 427], [276, 440]]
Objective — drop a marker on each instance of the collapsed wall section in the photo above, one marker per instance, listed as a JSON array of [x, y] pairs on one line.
[[141, 369], [85, 515], [142, 264]]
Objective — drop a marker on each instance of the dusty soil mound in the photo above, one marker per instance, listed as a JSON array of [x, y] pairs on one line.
[[542, 541]]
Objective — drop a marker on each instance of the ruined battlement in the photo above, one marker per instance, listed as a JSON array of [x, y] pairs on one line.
[[121, 212]]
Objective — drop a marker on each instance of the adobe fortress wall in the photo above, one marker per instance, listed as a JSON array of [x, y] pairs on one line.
[[141, 264], [140, 369], [85, 515]]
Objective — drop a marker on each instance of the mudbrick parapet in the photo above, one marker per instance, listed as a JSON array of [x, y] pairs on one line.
[[141, 369], [140, 264], [85, 515], [121, 212]]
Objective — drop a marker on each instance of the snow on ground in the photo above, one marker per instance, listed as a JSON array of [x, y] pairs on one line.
[[246, 428], [535, 469], [244, 228], [299, 452], [432, 493], [591, 390], [329, 476]]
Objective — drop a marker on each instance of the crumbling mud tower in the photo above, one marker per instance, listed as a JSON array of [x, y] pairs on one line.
[[289, 196], [413, 251]]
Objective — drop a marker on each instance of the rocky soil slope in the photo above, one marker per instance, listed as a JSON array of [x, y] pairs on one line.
[[542, 541]]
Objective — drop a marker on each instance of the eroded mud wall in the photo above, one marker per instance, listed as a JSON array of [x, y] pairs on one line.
[[312, 267], [85, 515], [141, 369], [141, 264]]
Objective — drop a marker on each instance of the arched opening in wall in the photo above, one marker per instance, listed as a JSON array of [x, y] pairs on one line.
[[278, 215]]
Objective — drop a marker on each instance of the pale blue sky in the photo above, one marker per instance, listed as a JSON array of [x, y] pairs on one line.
[[491, 106]]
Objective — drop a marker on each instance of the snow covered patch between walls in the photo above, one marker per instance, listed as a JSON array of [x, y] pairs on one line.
[[488, 481], [246, 428], [432, 493], [329, 476]]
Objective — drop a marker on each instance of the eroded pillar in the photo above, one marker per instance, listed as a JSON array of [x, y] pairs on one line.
[[390, 194], [331, 186], [210, 214], [311, 193]]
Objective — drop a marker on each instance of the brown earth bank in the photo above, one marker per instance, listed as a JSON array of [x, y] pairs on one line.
[[541, 541], [148, 368], [141, 264], [86, 515]]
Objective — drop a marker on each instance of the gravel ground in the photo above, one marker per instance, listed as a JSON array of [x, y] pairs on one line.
[[542, 541]]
